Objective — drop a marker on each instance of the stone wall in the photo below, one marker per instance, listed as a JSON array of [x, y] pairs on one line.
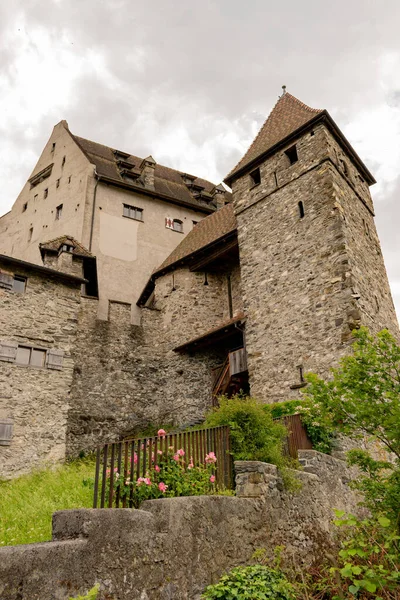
[[307, 281], [36, 399], [172, 548]]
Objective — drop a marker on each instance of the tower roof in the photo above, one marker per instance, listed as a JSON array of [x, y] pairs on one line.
[[288, 115]]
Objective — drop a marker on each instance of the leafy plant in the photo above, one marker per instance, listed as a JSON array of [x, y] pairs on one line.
[[169, 475], [319, 430], [91, 595], [257, 582], [254, 433]]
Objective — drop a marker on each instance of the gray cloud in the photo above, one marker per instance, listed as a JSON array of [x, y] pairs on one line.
[[209, 69]]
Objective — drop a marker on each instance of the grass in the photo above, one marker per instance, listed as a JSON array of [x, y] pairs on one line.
[[28, 502]]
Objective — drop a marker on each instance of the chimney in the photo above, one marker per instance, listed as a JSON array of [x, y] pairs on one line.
[[147, 169], [219, 193]]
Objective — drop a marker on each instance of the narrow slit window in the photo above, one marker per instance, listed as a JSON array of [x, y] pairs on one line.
[[57, 183], [30, 234], [46, 193], [301, 209], [291, 153], [59, 212], [255, 177], [24, 207]]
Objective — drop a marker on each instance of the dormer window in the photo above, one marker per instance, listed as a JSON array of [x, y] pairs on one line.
[[291, 153], [66, 248], [255, 177]]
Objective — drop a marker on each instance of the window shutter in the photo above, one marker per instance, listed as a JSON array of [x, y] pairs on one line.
[[6, 281], [55, 359], [6, 427], [8, 351]]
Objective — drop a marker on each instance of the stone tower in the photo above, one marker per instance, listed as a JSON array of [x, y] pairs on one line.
[[311, 263]]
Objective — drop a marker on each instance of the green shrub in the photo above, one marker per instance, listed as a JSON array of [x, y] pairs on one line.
[[172, 475], [320, 431], [257, 582], [91, 595], [254, 433]]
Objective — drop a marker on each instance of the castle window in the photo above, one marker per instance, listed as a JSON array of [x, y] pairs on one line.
[[36, 196], [24, 207], [63, 161], [344, 167], [291, 153], [69, 179], [19, 284], [133, 212], [194, 223], [53, 147], [30, 234], [177, 225], [46, 193], [59, 212], [255, 177], [57, 183], [33, 357], [6, 428], [301, 209]]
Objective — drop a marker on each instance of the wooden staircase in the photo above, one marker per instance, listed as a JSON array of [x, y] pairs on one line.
[[230, 377]]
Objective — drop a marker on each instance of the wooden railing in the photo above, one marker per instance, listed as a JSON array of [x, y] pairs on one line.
[[134, 458]]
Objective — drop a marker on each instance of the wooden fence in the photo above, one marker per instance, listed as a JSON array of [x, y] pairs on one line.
[[297, 438], [134, 458]]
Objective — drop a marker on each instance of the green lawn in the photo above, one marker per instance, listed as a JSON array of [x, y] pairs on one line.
[[27, 503]]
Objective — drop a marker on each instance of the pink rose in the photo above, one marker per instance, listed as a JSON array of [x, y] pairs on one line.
[[162, 487], [211, 458], [212, 478], [161, 433], [157, 469], [159, 452], [140, 481], [135, 458], [181, 452], [147, 480], [176, 457]]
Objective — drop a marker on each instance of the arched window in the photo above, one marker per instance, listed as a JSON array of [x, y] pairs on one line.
[[177, 225], [301, 209]]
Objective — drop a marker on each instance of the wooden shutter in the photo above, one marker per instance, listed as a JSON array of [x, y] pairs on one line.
[[8, 351], [6, 427], [55, 359], [6, 281]]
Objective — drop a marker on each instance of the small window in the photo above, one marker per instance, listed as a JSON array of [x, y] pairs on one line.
[[36, 196], [59, 212], [69, 179], [46, 193], [291, 153], [301, 209], [255, 177], [194, 223], [53, 147], [24, 207], [133, 212], [30, 234], [33, 357], [177, 225], [57, 183], [63, 161], [6, 430], [19, 284]]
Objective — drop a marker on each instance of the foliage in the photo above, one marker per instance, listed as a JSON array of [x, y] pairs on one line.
[[320, 432], [28, 502], [363, 398], [257, 582], [254, 433], [169, 475], [91, 595]]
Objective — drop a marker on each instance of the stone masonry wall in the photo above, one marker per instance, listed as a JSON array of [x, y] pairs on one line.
[[173, 548], [36, 399], [307, 282]]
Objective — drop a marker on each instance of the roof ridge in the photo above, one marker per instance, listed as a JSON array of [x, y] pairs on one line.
[[263, 131]]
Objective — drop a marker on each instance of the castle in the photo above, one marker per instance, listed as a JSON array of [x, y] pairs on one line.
[[133, 293]]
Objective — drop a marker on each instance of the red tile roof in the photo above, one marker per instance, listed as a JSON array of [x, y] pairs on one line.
[[288, 115], [207, 231], [167, 182], [55, 245]]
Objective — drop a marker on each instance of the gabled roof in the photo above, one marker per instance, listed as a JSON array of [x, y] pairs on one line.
[[288, 115], [289, 118], [123, 169], [207, 231], [55, 245]]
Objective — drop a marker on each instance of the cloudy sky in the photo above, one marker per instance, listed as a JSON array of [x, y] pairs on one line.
[[191, 82]]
